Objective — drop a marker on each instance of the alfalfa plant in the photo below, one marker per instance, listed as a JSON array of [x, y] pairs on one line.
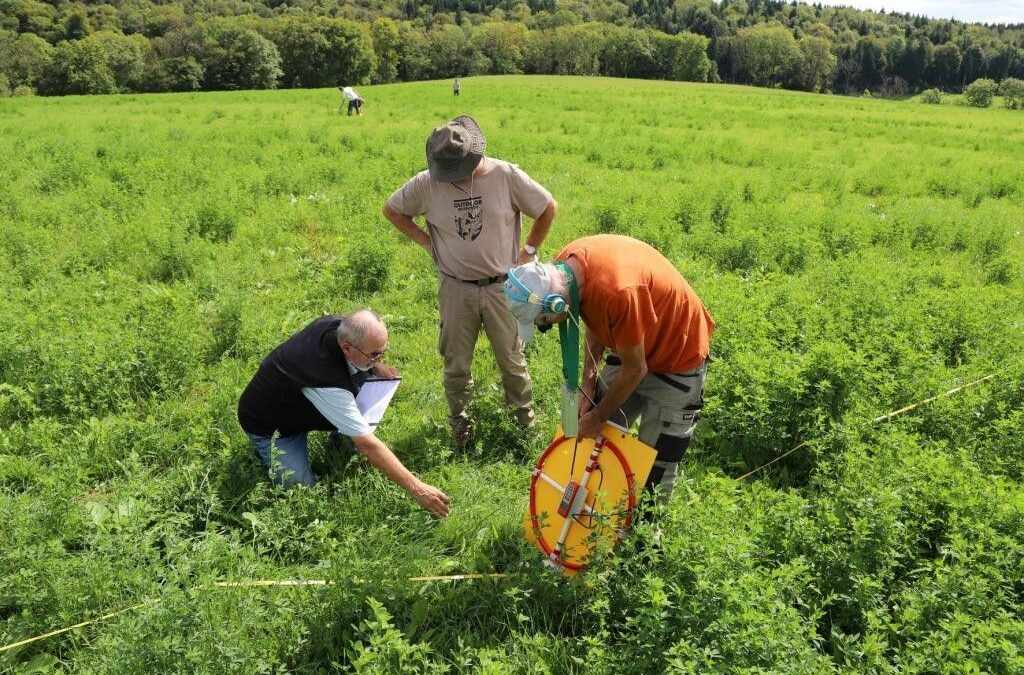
[[721, 209], [687, 214], [216, 223], [382, 648], [608, 219], [368, 266]]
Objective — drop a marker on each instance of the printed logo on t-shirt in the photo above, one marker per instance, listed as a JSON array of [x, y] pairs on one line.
[[468, 221]]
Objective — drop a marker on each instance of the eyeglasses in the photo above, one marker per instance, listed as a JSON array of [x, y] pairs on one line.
[[373, 356], [545, 321]]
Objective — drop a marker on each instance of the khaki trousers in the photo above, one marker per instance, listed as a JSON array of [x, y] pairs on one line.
[[464, 309]]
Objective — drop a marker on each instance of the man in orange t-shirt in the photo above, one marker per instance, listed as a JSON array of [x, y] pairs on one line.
[[639, 309]]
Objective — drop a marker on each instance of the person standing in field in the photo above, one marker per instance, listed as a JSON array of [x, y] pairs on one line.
[[309, 383], [455, 87], [354, 100], [647, 324], [473, 207]]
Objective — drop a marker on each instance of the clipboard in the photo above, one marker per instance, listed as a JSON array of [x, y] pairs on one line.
[[375, 396]]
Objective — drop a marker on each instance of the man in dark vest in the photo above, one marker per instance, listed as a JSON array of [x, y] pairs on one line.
[[309, 383]]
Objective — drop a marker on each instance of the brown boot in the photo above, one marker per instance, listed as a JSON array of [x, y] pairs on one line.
[[525, 418], [462, 432]]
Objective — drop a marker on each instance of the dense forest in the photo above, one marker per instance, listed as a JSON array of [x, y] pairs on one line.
[[64, 47]]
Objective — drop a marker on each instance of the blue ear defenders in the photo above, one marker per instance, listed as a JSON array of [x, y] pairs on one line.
[[552, 302]]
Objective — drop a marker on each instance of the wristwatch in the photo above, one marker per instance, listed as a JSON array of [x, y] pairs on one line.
[[530, 250]]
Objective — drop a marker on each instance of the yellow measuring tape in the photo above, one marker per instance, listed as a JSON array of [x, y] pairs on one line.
[[453, 577], [238, 584], [324, 582], [877, 420], [77, 625]]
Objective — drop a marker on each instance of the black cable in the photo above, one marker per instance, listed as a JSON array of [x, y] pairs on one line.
[[600, 482]]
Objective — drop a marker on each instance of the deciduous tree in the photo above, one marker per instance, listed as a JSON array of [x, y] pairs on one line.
[[318, 51], [78, 67], [23, 58], [236, 57], [816, 63], [503, 43], [1012, 91], [126, 57], [979, 93], [386, 40], [767, 56]]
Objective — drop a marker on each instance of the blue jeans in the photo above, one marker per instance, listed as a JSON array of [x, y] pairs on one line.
[[287, 457]]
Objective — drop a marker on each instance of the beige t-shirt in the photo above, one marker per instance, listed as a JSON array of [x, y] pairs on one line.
[[474, 224]]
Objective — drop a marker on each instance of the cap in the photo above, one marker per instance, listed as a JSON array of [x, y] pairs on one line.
[[525, 289]]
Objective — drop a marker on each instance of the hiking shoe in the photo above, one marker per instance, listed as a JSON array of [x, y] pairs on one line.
[[462, 432], [525, 419]]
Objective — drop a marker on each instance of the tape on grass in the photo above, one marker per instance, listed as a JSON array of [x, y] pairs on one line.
[[878, 420], [247, 583], [453, 577]]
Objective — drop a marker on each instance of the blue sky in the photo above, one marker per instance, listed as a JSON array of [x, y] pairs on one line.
[[987, 11]]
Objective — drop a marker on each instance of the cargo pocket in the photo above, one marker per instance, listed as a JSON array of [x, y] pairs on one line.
[[675, 432]]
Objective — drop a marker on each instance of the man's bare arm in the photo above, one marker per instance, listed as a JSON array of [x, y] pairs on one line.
[[593, 352], [380, 455], [632, 372], [538, 231], [407, 226]]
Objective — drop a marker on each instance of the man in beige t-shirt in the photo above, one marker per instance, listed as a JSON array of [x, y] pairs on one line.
[[473, 207]]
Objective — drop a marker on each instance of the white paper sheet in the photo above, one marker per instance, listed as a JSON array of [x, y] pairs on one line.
[[374, 397]]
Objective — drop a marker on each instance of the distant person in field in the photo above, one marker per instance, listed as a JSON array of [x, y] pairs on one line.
[[648, 326], [354, 100], [455, 87], [309, 383], [473, 206]]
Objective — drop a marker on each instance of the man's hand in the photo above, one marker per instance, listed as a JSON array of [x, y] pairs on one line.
[[380, 455], [525, 257], [590, 424], [431, 499], [384, 370]]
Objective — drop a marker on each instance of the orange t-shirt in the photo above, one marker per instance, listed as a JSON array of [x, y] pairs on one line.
[[632, 293]]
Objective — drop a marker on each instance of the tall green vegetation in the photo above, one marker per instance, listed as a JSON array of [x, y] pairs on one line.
[[858, 255]]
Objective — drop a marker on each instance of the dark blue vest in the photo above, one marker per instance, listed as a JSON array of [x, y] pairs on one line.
[[273, 401]]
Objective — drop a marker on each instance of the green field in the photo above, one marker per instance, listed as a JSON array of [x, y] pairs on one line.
[[858, 255]]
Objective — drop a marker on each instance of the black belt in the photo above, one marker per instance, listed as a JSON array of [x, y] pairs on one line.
[[480, 282]]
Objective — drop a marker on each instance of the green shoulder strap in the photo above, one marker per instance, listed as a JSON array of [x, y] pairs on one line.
[[569, 332]]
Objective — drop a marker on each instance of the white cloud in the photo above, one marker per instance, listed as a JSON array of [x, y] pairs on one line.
[[985, 11]]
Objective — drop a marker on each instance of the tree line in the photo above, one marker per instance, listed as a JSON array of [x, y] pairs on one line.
[[133, 45]]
